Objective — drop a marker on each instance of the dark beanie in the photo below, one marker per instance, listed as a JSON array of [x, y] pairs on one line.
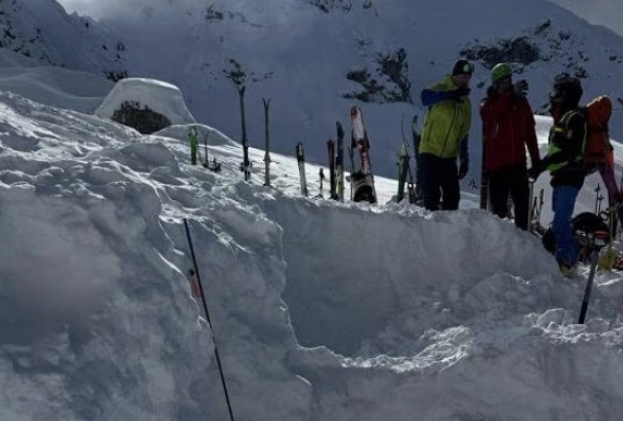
[[462, 67]]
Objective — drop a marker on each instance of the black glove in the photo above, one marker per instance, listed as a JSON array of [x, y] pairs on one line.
[[535, 171], [458, 93], [463, 168], [520, 88]]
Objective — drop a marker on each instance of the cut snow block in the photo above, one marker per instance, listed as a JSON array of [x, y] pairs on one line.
[[148, 105]]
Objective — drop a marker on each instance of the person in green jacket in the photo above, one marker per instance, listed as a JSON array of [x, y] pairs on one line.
[[444, 138], [194, 144]]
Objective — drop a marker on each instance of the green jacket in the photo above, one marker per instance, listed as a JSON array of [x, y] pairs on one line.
[[447, 122], [194, 141]]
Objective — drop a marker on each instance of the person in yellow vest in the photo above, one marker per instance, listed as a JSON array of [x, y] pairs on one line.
[[565, 162], [444, 138]]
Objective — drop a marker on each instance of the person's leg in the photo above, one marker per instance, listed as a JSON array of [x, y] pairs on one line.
[[449, 181], [498, 193], [429, 172], [193, 155], [607, 175], [520, 193], [563, 203]]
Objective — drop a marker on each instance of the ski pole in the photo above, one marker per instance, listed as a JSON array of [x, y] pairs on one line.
[[595, 241], [205, 308], [266, 144], [589, 285]]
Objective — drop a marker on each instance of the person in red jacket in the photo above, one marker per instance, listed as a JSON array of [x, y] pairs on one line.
[[508, 128]]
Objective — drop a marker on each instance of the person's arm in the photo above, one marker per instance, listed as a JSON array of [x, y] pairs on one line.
[[431, 97], [464, 160], [530, 135], [464, 150]]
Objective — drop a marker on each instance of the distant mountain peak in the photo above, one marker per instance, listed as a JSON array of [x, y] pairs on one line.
[[42, 30]]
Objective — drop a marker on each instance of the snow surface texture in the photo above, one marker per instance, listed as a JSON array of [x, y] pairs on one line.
[[321, 310]]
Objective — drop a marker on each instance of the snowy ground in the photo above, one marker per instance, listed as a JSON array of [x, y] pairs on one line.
[[321, 310]]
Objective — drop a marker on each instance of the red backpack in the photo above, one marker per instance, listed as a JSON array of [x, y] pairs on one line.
[[597, 150]]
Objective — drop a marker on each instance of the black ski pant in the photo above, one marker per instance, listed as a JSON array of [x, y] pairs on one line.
[[511, 181], [440, 180]]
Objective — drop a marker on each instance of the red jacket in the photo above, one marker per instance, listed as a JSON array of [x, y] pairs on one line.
[[508, 127]]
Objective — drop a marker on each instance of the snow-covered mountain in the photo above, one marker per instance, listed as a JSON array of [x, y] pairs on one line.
[[41, 30], [600, 12], [315, 59]]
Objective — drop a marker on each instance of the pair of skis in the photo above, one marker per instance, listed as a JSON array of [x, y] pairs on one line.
[[300, 158], [362, 179], [336, 164], [404, 166]]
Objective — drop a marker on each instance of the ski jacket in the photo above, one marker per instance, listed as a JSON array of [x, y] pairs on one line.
[[447, 122], [565, 154], [194, 141], [508, 128]]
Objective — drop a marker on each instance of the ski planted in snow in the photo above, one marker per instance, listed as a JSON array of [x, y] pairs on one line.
[[362, 180], [245, 166], [300, 157], [339, 161], [322, 177], [403, 164], [331, 150], [404, 168], [415, 134]]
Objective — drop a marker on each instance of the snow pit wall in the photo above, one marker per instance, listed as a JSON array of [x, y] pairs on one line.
[[351, 271]]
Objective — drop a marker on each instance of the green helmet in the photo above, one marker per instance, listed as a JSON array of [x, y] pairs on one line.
[[501, 71]]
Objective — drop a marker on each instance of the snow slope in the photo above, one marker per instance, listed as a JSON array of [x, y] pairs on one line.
[[321, 310], [300, 56]]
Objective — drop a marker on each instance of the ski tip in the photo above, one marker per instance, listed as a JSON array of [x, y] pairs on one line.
[[354, 111]]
